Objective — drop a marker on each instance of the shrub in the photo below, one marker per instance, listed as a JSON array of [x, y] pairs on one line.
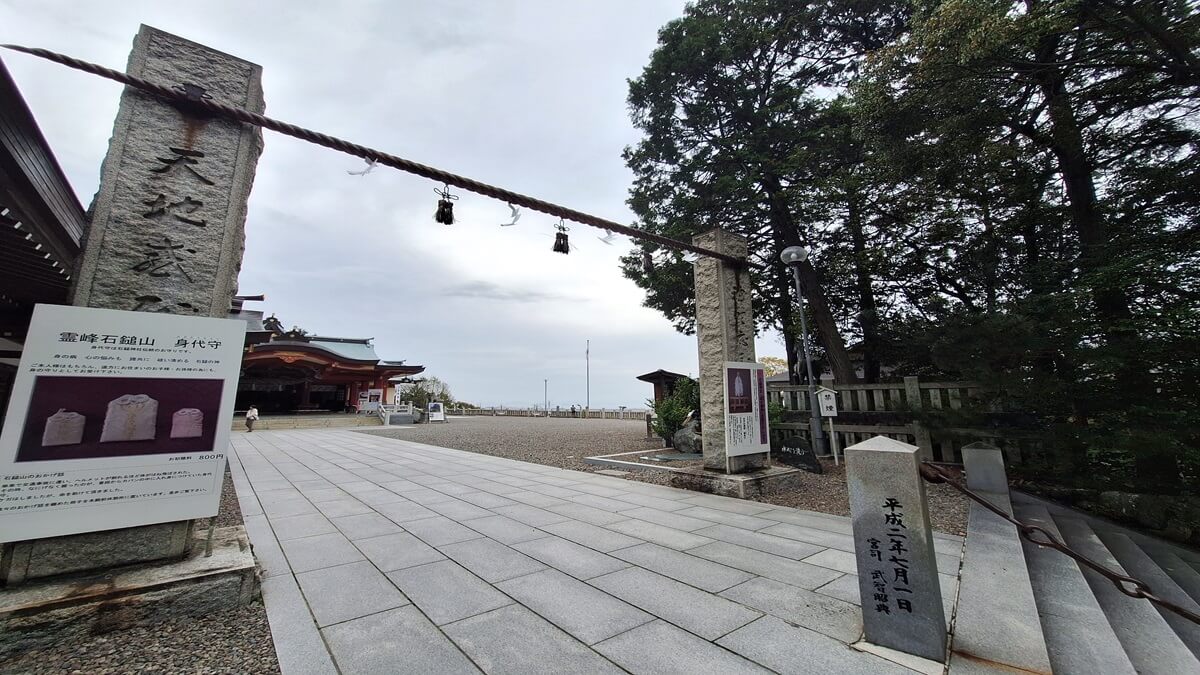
[[670, 412]]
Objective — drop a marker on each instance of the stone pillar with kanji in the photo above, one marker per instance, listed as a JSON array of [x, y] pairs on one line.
[[166, 234], [724, 332]]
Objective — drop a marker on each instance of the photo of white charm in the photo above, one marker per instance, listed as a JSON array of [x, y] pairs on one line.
[[130, 418], [63, 428], [187, 423]]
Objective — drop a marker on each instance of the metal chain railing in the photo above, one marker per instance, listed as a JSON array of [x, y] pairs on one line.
[[192, 97], [1134, 588]]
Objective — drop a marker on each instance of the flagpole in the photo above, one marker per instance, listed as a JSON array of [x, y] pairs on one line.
[[587, 355]]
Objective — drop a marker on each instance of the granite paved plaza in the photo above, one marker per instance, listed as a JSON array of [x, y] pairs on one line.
[[387, 556]]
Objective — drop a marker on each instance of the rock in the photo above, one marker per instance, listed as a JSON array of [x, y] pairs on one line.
[[687, 439], [795, 451]]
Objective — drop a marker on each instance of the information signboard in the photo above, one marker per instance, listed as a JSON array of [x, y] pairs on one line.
[[436, 412], [116, 419], [369, 400], [746, 430]]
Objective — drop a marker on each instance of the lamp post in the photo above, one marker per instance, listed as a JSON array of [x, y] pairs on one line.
[[792, 256], [546, 396]]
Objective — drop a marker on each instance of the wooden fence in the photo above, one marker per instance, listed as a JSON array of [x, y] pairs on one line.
[[903, 411]]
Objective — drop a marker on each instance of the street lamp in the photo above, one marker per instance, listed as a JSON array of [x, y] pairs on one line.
[[792, 256], [546, 396]]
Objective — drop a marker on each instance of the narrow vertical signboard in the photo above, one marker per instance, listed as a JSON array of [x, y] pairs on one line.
[[746, 430]]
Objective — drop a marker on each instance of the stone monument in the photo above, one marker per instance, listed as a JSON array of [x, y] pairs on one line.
[[166, 234], [724, 332], [893, 545]]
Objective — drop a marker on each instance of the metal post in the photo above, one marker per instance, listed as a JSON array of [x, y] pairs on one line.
[[587, 357], [820, 445], [546, 396]]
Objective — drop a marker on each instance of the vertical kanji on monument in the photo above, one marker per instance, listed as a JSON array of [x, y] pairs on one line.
[[167, 226]]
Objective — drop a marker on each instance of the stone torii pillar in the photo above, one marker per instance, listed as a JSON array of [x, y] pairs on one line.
[[166, 234], [724, 332]]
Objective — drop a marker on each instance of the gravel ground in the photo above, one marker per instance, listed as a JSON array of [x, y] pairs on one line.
[[230, 642], [231, 512], [564, 442]]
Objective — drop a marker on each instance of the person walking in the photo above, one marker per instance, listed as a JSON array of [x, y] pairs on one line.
[[251, 418]]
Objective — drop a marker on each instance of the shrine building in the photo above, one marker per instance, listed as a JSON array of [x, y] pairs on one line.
[[294, 371]]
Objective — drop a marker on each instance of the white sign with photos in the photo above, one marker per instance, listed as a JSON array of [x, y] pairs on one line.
[[116, 419]]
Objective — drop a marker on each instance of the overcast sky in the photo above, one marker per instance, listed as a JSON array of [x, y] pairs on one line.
[[525, 94]]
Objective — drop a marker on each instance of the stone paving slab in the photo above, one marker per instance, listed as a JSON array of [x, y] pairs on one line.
[[400, 640], [793, 650], [504, 529], [692, 609], [383, 555], [592, 536], [703, 574], [446, 592], [342, 506], [590, 615], [659, 534], [674, 651], [579, 561], [396, 551], [491, 560], [439, 531], [297, 639], [530, 515], [823, 614], [788, 548], [515, 640], [799, 574], [667, 519], [307, 525], [321, 551], [365, 526], [345, 592]]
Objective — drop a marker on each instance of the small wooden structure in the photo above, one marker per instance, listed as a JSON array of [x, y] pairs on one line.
[[664, 382]]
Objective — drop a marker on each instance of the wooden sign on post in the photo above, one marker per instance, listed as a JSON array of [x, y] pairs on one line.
[[827, 402]]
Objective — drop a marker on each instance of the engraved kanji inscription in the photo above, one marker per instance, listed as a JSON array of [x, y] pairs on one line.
[[161, 207], [153, 303], [185, 159], [164, 258]]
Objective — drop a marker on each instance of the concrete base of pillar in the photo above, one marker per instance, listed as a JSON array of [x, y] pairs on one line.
[[41, 558], [38, 613], [746, 485], [749, 484], [741, 464]]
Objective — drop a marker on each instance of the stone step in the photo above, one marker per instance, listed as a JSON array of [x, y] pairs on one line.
[[1079, 638], [1139, 565], [1178, 569], [1149, 641], [997, 620]]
